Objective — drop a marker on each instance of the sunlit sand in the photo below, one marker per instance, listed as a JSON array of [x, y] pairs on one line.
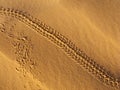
[[40, 39]]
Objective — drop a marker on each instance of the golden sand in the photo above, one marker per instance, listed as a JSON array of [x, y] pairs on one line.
[[42, 45]]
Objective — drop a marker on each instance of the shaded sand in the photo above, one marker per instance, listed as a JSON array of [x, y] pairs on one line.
[[31, 61], [15, 77]]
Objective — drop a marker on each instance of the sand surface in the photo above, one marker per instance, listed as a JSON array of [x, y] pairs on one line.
[[32, 60]]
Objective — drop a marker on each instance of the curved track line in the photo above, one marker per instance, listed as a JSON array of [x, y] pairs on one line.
[[68, 46]]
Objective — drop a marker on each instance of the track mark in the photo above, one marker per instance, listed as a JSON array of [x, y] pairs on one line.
[[23, 49], [19, 40], [68, 46]]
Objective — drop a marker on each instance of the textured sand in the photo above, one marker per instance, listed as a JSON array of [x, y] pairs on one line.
[[30, 61]]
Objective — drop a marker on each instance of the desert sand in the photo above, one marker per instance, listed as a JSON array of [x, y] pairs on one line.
[[40, 42]]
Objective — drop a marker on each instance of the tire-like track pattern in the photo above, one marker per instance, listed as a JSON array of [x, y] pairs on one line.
[[96, 70]]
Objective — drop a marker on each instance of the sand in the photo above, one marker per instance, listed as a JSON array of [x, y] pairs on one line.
[[34, 56]]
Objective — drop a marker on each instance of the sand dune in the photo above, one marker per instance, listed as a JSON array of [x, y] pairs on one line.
[[34, 56], [15, 77]]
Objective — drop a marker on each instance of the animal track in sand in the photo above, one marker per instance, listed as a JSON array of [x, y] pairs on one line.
[[23, 49], [19, 40], [68, 46]]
